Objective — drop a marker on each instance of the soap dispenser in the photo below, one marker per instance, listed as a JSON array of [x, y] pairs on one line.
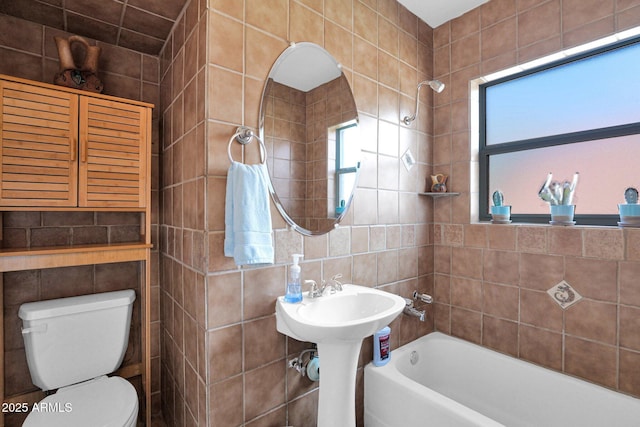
[[293, 292]]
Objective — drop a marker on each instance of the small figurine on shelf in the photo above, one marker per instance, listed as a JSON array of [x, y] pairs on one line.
[[500, 213], [85, 76], [439, 183], [629, 211]]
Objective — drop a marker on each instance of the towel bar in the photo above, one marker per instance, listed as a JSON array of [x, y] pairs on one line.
[[243, 135]]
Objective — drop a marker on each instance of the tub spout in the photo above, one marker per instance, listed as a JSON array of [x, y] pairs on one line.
[[412, 311]]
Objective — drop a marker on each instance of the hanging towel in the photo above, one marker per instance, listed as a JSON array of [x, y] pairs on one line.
[[247, 215]]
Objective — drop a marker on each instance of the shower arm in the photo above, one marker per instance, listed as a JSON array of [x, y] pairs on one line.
[[436, 85]]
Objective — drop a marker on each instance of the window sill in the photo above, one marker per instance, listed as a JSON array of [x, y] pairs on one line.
[[436, 195]]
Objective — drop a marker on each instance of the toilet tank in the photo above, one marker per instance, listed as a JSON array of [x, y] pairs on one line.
[[70, 340]]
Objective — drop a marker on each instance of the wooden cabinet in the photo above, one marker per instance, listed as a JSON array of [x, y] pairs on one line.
[[66, 150], [38, 137]]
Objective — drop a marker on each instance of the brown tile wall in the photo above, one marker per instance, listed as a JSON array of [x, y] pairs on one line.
[[28, 51], [491, 280], [183, 96], [224, 363]]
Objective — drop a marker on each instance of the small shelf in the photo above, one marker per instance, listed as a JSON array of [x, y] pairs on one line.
[[436, 195], [53, 257]]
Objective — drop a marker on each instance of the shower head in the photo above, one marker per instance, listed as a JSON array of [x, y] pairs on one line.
[[436, 85]]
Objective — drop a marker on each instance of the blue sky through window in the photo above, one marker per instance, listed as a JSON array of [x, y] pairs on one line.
[[595, 92]]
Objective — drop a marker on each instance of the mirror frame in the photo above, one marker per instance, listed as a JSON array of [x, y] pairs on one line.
[[261, 126]]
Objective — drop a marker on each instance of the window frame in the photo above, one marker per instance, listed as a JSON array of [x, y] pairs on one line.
[[486, 151]]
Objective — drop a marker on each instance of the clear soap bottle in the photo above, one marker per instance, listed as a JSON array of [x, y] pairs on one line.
[[293, 292]]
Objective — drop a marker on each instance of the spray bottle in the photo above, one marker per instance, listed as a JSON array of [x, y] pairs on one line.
[[293, 292]]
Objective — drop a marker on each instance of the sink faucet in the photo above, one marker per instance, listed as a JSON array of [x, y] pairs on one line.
[[316, 291]]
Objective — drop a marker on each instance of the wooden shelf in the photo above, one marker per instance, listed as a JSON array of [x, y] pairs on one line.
[[67, 209], [436, 195], [37, 258]]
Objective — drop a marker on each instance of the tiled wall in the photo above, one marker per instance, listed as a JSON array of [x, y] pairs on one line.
[[182, 237], [28, 51], [384, 53], [224, 363], [491, 280]]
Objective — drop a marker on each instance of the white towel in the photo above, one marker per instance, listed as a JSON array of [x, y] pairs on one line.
[[248, 235]]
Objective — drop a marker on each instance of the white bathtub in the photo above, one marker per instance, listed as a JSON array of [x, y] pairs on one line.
[[456, 383]]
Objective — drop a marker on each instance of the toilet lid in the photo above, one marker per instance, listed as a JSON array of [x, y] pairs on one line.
[[101, 402]]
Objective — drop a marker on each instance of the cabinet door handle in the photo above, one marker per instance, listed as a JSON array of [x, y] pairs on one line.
[[73, 149], [84, 150]]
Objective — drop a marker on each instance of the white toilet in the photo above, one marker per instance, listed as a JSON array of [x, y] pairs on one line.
[[71, 345]]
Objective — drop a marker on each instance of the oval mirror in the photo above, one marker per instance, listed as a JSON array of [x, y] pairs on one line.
[[309, 123]]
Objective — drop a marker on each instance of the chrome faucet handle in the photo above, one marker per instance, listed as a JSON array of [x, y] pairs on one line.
[[425, 298], [331, 284], [314, 292], [337, 284]]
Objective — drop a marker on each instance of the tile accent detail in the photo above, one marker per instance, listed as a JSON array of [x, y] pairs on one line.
[[564, 295], [408, 160]]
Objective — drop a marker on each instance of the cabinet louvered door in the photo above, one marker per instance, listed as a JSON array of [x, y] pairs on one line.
[[38, 143], [113, 163]]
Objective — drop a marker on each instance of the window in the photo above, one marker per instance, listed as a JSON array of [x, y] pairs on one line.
[[347, 165], [577, 114]]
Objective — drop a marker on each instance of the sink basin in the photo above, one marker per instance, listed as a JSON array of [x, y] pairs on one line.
[[338, 323], [348, 315]]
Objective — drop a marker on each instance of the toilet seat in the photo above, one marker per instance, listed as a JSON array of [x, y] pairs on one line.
[[103, 401]]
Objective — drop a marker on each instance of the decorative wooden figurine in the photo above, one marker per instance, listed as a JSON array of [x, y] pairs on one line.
[[439, 183], [71, 75]]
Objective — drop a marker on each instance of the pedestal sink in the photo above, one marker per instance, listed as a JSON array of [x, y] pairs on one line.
[[338, 323]]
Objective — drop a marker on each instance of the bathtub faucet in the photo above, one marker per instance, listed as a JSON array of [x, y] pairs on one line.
[[410, 310]]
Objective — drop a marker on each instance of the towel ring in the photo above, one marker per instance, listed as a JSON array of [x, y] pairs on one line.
[[243, 135]]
